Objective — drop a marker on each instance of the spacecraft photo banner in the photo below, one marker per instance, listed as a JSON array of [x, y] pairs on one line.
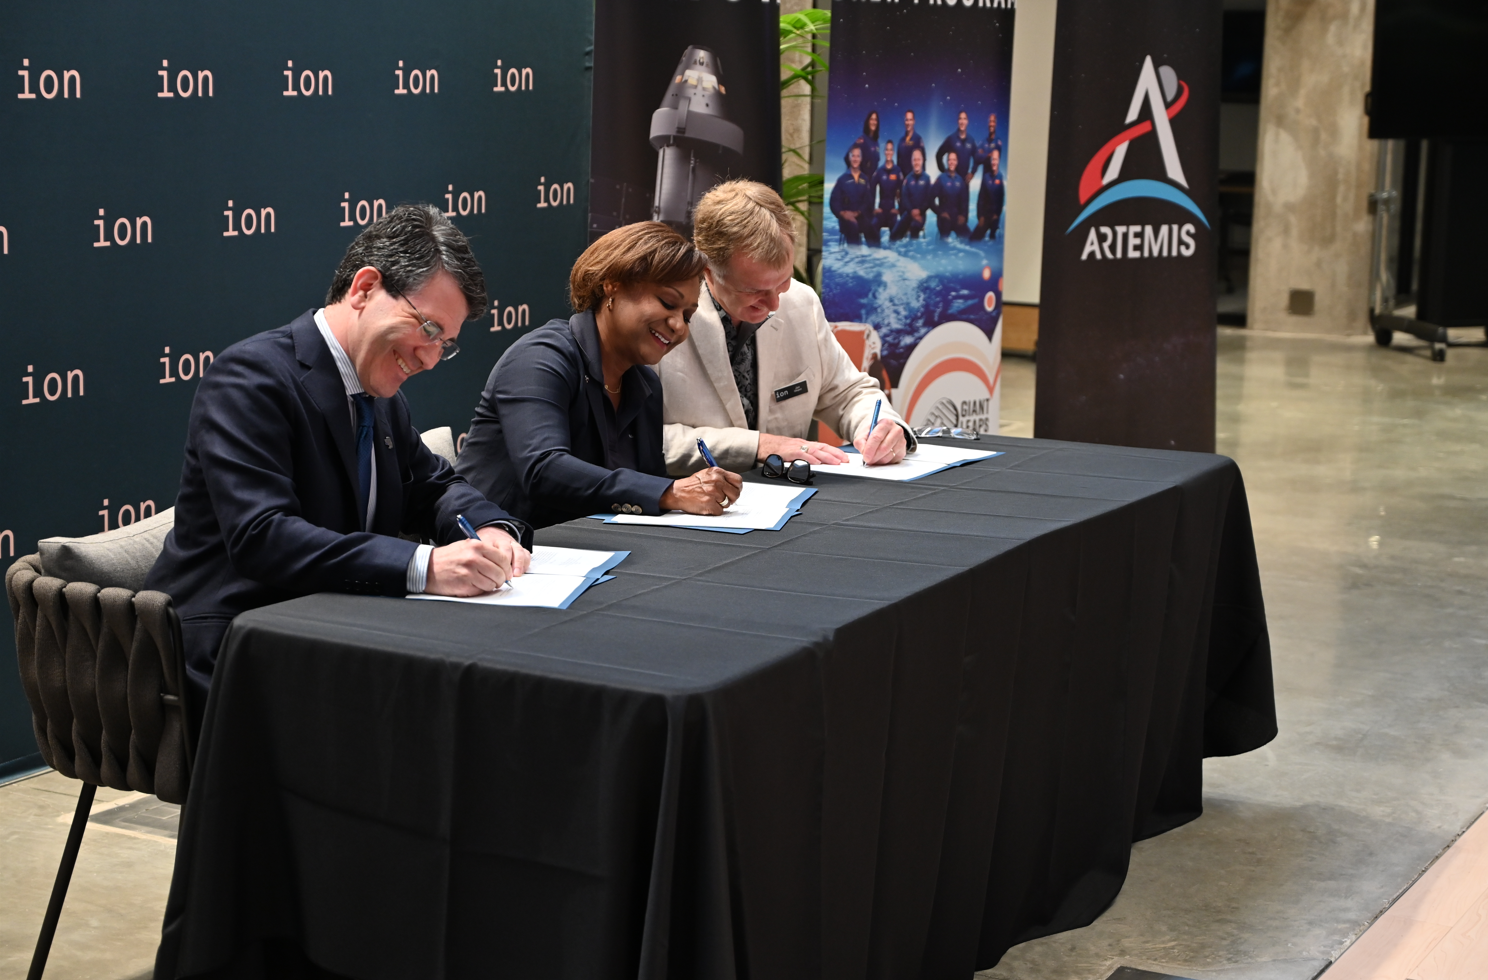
[[176, 176], [686, 94], [1126, 314], [912, 242]]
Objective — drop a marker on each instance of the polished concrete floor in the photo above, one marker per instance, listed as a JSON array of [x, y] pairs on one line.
[[1368, 479], [111, 922], [1368, 482]]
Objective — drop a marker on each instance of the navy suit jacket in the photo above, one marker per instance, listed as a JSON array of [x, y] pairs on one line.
[[537, 442], [850, 194], [267, 509]]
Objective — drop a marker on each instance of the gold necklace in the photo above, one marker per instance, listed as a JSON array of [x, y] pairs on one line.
[[613, 391]]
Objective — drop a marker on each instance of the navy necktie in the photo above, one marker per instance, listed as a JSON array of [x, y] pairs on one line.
[[364, 452]]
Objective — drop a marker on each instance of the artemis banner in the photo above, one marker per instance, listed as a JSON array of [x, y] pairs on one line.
[[686, 95], [176, 176], [912, 235], [1126, 312]]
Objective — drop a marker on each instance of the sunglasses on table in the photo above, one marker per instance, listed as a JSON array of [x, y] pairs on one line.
[[945, 432], [796, 471]]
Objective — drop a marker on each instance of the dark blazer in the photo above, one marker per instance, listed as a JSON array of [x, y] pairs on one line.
[[268, 504], [537, 443]]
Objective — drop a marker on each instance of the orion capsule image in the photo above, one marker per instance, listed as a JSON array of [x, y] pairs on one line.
[[695, 141]]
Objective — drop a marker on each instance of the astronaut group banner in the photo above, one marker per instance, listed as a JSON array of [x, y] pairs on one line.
[[686, 95], [176, 176], [912, 243]]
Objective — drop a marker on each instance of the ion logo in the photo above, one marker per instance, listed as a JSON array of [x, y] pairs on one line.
[[1166, 94]]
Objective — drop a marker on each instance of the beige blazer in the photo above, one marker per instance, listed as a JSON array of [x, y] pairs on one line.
[[700, 398]]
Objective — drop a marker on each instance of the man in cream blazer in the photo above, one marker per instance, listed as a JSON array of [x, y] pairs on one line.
[[761, 362]]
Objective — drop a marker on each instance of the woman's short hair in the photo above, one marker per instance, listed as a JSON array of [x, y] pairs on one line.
[[647, 251], [743, 216]]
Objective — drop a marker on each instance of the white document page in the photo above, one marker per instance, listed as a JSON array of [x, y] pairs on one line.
[[566, 561], [552, 591], [910, 468], [927, 460], [555, 576], [759, 506], [951, 454]]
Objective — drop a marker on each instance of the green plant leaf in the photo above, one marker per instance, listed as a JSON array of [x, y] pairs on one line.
[[801, 33]]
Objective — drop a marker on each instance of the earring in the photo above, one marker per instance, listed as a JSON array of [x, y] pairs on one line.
[[611, 304]]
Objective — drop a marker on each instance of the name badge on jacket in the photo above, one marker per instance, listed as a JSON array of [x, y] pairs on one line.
[[790, 391]]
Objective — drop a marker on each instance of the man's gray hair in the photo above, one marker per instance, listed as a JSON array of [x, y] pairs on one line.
[[409, 246]]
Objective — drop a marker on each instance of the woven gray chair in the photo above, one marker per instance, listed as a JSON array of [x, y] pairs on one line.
[[103, 670]]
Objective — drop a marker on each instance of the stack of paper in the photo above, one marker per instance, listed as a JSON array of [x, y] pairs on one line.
[[926, 460], [760, 507], [556, 577]]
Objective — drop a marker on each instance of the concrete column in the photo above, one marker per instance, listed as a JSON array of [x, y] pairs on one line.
[[1314, 170], [795, 129]]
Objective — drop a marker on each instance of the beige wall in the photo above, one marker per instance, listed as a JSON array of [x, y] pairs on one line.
[[1028, 150], [795, 130], [1314, 168]]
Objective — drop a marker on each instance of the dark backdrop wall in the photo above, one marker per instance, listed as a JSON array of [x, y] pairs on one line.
[[175, 176]]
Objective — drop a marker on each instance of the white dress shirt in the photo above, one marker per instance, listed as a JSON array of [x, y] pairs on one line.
[[418, 565]]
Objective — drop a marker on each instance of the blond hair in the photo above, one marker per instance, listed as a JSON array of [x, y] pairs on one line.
[[743, 216], [647, 251]]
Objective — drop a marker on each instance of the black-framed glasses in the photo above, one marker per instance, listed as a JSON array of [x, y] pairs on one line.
[[433, 331], [946, 431], [796, 471]]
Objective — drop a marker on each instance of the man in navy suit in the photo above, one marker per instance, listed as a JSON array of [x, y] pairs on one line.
[[302, 465], [990, 198], [951, 200], [885, 186], [962, 146], [852, 201], [912, 141], [983, 153], [916, 198]]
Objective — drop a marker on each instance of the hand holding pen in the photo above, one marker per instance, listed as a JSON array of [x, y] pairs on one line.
[[884, 442], [708, 492], [475, 566]]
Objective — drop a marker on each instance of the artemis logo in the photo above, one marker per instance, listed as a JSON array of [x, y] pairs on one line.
[[1166, 95]]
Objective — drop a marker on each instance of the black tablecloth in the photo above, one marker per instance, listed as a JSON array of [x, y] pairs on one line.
[[922, 723]]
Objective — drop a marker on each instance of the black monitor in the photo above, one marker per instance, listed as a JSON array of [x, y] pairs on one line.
[[1429, 79], [1240, 57]]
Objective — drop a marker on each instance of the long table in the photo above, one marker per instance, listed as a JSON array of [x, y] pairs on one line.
[[920, 724]]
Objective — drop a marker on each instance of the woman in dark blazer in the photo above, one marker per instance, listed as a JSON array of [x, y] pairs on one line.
[[569, 423]]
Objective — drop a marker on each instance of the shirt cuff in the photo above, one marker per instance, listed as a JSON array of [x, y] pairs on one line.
[[418, 569], [509, 528]]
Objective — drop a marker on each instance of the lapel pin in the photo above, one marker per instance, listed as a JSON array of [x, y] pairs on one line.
[[387, 441]]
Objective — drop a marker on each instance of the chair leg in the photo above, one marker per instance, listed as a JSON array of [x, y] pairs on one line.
[[64, 878]]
